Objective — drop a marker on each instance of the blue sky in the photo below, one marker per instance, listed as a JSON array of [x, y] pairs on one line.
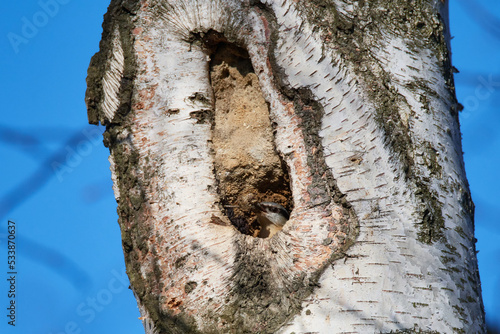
[[55, 180]]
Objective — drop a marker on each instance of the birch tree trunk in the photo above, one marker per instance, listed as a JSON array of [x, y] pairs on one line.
[[343, 112]]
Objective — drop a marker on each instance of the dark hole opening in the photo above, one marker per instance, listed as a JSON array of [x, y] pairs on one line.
[[247, 166]]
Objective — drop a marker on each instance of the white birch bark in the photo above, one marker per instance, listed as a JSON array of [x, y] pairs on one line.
[[355, 99]]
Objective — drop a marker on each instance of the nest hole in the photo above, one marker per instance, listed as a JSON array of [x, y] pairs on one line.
[[247, 166]]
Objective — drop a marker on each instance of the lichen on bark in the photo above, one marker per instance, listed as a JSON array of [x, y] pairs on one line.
[[356, 33]]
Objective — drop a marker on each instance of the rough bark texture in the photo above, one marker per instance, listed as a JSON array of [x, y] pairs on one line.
[[343, 112]]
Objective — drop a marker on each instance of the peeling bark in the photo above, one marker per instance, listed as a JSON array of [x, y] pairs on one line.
[[344, 113]]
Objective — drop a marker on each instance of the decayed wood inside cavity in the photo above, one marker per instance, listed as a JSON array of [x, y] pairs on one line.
[[247, 166]]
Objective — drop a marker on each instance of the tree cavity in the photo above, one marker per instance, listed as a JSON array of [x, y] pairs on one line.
[[247, 167]]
